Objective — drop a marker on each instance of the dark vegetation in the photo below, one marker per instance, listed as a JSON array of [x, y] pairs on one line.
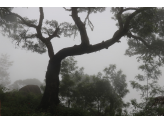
[[78, 93], [84, 95]]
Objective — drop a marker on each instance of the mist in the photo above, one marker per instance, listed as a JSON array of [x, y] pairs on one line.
[[31, 65]]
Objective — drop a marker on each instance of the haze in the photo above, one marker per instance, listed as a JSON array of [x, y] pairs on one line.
[[33, 65]]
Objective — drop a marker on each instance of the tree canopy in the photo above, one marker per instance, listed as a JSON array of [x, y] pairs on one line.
[[142, 26], [103, 92]]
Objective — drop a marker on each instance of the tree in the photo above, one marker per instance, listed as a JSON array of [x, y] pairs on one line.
[[146, 39], [4, 66], [130, 24], [118, 89], [101, 93], [68, 68], [149, 92], [151, 106]]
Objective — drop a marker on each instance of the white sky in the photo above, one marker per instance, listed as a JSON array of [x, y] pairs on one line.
[[33, 65]]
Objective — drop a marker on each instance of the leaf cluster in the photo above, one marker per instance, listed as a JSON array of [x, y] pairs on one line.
[[146, 39]]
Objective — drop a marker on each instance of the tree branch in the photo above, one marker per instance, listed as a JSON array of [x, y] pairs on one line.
[[79, 49], [41, 17], [81, 27], [38, 29], [50, 48], [130, 17], [23, 21], [89, 22], [139, 38], [87, 16], [55, 34], [119, 18], [67, 9], [129, 9]]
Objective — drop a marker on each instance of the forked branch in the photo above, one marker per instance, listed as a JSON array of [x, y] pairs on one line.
[[81, 27]]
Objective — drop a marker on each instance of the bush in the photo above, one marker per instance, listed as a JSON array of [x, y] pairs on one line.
[[15, 104]]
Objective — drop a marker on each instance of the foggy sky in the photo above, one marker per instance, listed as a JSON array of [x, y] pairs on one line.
[[28, 64]]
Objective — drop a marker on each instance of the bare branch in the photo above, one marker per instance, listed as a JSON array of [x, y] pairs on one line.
[[79, 49], [67, 9], [38, 29], [87, 16], [119, 18], [41, 17], [89, 22], [81, 27], [40, 36]]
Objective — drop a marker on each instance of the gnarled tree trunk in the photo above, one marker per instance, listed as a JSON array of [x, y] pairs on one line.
[[50, 96]]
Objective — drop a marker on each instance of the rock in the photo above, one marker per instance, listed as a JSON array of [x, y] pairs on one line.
[[30, 89]]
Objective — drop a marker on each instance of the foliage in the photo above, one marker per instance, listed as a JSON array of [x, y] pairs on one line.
[[143, 28], [20, 29], [68, 66], [146, 38], [15, 104], [148, 92], [13, 26], [93, 93]]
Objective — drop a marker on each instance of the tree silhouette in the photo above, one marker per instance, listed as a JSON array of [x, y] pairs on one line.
[[138, 24]]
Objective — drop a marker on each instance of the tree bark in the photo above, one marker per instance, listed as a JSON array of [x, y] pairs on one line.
[[50, 96]]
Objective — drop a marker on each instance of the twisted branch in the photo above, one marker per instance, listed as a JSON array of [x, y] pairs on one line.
[[81, 27]]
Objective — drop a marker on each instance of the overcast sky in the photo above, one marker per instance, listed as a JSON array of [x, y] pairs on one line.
[[33, 65]]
